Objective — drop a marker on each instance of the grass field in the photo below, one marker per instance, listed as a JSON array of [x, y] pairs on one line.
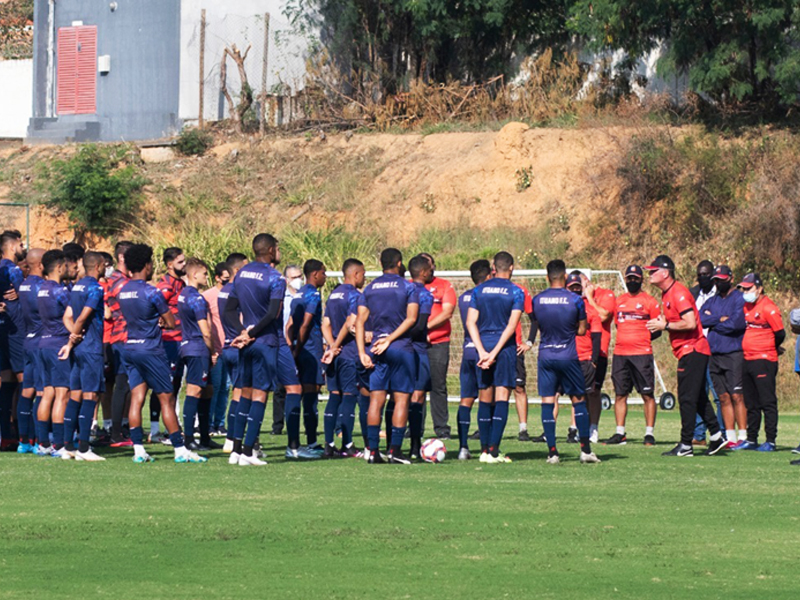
[[636, 526]]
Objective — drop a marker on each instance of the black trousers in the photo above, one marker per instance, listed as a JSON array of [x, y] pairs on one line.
[[278, 404], [759, 396], [439, 357], [692, 396]]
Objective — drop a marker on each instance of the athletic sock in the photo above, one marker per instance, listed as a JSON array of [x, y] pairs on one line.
[[621, 429], [415, 416], [523, 427], [388, 417], [189, 413], [242, 412], [58, 435], [549, 426], [730, 434], [330, 416], [374, 437], [499, 420], [311, 416], [233, 408], [71, 422], [24, 407], [42, 429], [137, 436], [398, 434], [581, 419], [85, 419], [347, 417], [254, 420], [742, 435], [292, 411], [463, 418], [35, 415], [715, 437], [647, 430], [176, 439], [363, 409], [485, 424], [204, 420]]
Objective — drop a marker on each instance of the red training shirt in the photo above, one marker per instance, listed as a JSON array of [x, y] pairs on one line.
[[605, 298], [631, 316], [171, 288], [763, 319], [527, 309], [119, 328], [583, 343], [677, 300], [443, 293]]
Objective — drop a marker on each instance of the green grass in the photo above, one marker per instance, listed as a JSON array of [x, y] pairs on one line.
[[636, 526]]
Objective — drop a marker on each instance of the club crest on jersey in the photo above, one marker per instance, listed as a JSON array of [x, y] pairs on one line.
[[639, 306], [384, 285]]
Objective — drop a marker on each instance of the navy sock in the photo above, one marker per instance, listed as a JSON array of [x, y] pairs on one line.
[[331, 414], [233, 408], [137, 436], [499, 420], [398, 434], [347, 417], [42, 429], [292, 412], [204, 420], [582, 422], [549, 426], [415, 419], [388, 417], [463, 418], [71, 422], [7, 389], [24, 407], [311, 416], [58, 435], [189, 413], [176, 439], [254, 420], [363, 409], [373, 437], [35, 416], [485, 424], [242, 412], [85, 424]]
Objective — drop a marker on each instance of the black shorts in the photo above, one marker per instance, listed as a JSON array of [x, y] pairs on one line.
[[600, 372], [726, 372], [589, 374], [522, 371], [627, 371]]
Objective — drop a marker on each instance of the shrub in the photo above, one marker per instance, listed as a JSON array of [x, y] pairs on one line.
[[193, 141]]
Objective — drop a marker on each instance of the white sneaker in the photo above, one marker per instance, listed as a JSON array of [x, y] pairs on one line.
[[88, 456], [589, 458], [502, 458], [594, 437], [464, 454], [489, 459], [233, 459], [227, 447], [245, 461], [65, 454], [553, 460]]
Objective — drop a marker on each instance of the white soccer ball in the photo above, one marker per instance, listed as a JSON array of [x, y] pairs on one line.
[[433, 451]]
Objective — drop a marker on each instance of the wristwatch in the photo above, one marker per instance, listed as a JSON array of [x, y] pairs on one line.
[[529, 343], [666, 326]]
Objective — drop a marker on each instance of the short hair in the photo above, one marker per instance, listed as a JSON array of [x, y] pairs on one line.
[[263, 243], [503, 261], [171, 254], [107, 257], [556, 269], [235, 260], [418, 264], [288, 268], [73, 252], [9, 236], [429, 256], [92, 260], [137, 257], [480, 270], [195, 264], [705, 263], [390, 257], [312, 265], [121, 248], [221, 268], [350, 264], [52, 259]]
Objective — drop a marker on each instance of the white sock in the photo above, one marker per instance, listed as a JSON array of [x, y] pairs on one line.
[[107, 424], [730, 434], [94, 423], [181, 451], [742, 435], [715, 437], [592, 429], [138, 450], [523, 427], [648, 431], [621, 429], [154, 428]]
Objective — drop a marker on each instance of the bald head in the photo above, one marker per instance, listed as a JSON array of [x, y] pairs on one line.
[[34, 260]]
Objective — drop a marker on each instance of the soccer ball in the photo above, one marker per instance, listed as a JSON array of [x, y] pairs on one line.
[[433, 451]]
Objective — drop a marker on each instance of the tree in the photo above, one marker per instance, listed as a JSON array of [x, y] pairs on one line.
[[16, 36]]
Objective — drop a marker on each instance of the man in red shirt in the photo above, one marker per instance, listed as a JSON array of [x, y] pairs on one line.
[[439, 329], [761, 346], [603, 302], [633, 355], [588, 344], [682, 322], [117, 335]]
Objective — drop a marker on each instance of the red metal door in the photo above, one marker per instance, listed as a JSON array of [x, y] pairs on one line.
[[77, 73]]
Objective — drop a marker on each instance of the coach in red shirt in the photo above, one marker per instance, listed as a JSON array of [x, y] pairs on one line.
[[439, 330]]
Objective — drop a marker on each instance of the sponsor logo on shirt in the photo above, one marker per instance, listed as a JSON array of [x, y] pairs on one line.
[[78, 288], [44, 294], [496, 290], [553, 301], [251, 275]]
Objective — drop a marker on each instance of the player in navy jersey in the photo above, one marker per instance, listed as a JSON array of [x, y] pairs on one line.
[[338, 326], [144, 308], [388, 307], [479, 271], [258, 290], [230, 355], [421, 274], [196, 352], [84, 320], [304, 331], [560, 316], [12, 333], [32, 386], [494, 312]]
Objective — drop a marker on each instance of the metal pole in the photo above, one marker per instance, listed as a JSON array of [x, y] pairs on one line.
[[263, 124], [202, 65]]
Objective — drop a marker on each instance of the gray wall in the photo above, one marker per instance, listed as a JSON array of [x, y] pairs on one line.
[[138, 99]]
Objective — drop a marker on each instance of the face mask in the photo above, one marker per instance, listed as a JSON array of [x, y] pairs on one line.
[[705, 283], [633, 286], [750, 297], [296, 283], [109, 271], [723, 287]]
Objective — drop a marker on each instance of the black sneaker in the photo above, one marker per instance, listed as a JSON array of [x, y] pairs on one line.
[[398, 458], [618, 439], [572, 436], [350, 452], [375, 458], [221, 432], [680, 451], [715, 446], [210, 445], [444, 436], [331, 452], [415, 451], [539, 439], [193, 446], [649, 440], [795, 462], [476, 435], [524, 436]]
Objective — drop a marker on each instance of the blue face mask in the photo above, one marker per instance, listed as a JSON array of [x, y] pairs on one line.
[[750, 297]]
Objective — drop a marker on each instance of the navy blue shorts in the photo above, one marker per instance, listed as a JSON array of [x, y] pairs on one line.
[[342, 376], [310, 368], [152, 368], [260, 366], [422, 372], [88, 373], [32, 373], [560, 375], [503, 373], [12, 352], [197, 369], [362, 374], [394, 371], [118, 354], [469, 373], [230, 356], [287, 368], [55, 372]]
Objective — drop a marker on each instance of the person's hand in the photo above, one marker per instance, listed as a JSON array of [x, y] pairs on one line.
[[2, 307], [329, 355], [214, 359], [380, 346], [723, 319], [366, 361], [588, 288], [63, 354], [75, 338], [242, 340], [523, 348], [657, 324], [781, 350], [162, 323], [11, 295], [485, 359], [367, 337]]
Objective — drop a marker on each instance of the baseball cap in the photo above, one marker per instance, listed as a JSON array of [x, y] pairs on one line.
[[574, 278], [662, 261], [794, 317], [750, 280], [634, 271], [722, 272]]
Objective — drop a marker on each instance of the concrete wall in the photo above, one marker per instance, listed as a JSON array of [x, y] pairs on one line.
[[16, 81]]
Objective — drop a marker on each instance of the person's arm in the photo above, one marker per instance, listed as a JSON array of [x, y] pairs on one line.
[[534, 330], [412, 311], [419, 327], [273, 310], [508, 333], [327, 331], [442, 317], [597, 339], [709, 318], [603, 313], [361, 320], [230, 316], [583, 327], [168, 319], [474, 333], [687, 322], [205, 329]]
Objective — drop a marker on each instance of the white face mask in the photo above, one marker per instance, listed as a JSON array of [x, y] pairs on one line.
[[109, 271], [750, 297], [296, 283]]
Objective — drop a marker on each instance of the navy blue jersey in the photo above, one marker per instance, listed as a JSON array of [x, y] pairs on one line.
[[89, 293], [256, 285], [52, 301], [192, 308], [28, 300], [420, 341], [495, 300], [387, 299], [342, 303], [558, 311], [142, 304], [308, 302], [11, 277], [463, 308], [222, 299]]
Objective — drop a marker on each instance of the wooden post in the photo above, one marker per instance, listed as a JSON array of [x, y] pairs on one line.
[[263, 124], [202, 64]]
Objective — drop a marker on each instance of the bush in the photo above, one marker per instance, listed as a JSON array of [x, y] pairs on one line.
[[193, 141], [98, 188]]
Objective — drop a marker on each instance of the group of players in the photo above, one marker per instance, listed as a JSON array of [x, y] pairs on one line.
[[66, 314]]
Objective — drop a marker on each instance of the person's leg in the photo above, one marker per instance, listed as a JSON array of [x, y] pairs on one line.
[[311, 413], [292, 408], [688, 385], [439, 357], [377, 399], [750, 389], [622, 379], [138, 394], [8, 386], [71, 418], [219, 395], [464, 418], [85, 419], [768, 399], [121, 392], [499, 418], [279, 410], [415, 417]]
